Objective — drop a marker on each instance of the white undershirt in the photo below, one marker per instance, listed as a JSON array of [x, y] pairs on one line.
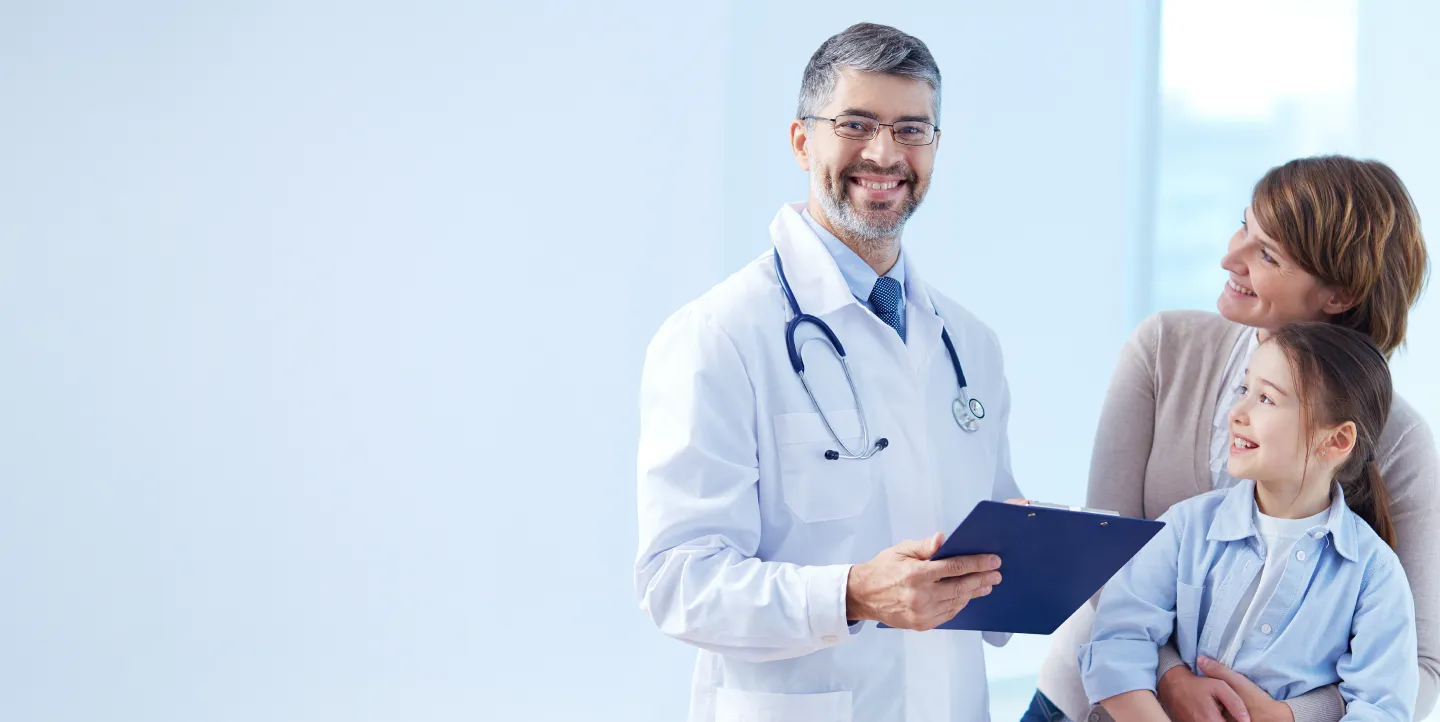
[[1280, 536], [1220, 437]]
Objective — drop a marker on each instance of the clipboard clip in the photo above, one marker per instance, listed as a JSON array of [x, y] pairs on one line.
[[1067, 507]]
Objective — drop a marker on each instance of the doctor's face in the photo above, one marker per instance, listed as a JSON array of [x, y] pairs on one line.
[[867, 189]]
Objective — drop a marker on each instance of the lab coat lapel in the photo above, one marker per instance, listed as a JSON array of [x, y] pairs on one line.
[[821, 291], [922, 323], [814, 277]]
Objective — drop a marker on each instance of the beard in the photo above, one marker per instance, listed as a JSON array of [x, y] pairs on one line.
[[872, 224]]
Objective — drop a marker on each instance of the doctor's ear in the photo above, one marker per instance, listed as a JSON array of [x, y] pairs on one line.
[[800, 144]]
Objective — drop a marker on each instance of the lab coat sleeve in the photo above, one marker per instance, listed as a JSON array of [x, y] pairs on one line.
[[1005, 487], [697, 575], [1136, 617], [1380, 673]]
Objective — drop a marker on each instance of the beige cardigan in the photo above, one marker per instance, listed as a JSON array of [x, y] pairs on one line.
[[1152, 449]]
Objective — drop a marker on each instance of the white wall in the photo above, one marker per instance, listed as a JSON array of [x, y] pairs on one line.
[[1397, 107], [318, 391]]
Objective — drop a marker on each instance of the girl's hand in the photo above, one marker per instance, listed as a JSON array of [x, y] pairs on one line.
[[1201, 699], [1262, 707]]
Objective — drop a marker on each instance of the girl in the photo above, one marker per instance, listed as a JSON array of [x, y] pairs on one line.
[[1289, 579]]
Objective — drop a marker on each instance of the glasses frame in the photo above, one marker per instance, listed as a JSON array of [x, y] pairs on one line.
[[835, 128]]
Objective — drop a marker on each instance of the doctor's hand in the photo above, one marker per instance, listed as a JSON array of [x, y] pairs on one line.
[[901, 587]]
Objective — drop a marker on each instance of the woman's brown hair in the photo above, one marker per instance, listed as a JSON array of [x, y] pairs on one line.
[[1352, 224], [1341, 375]]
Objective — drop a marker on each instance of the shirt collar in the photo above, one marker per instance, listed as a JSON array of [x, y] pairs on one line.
[[859, 276], [1235, 519]]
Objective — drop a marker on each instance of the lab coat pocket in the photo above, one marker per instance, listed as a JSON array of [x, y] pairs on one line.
[[735, 706], [815, 488], [1187, 620]]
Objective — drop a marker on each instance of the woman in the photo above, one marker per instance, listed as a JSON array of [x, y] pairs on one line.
[[1324, 239]]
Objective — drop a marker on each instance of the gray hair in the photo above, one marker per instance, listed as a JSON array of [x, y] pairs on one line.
[[868, 48]]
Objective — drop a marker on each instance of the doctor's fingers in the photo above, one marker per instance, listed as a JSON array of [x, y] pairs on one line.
[[961, 597], [963, 565], [968, 587]]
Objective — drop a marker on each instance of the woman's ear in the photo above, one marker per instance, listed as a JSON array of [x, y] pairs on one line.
[[1339, 302]]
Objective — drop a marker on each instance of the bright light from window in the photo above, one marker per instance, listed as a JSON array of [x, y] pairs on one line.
[[1242, 60]]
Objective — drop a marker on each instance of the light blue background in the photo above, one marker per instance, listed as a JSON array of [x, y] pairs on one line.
[[322, 322]]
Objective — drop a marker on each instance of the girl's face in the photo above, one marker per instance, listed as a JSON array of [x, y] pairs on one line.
[[1268, 440]]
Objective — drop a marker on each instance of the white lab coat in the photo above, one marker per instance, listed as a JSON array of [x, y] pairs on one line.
[[747, 532]]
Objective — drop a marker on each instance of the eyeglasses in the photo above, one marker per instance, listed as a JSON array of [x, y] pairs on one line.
[[859, 127]]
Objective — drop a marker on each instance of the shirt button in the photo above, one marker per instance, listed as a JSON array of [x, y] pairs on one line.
[[829, 639], [1300, 555], [1318, 534], [1265, 629], [1094, 717]]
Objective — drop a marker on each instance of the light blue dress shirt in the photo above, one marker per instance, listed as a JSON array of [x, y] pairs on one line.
[[1342, 612], [859, 276]]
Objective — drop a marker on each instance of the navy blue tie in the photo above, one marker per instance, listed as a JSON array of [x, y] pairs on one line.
[[885, 301]]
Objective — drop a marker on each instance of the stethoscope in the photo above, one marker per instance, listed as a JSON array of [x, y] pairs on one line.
[[968, 411]]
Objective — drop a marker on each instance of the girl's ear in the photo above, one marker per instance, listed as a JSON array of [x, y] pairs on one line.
[[1337, 442]]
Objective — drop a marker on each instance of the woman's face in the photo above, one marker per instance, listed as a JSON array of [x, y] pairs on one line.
[[1268, 290]]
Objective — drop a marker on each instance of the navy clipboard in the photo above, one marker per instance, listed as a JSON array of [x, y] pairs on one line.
[[1052, 560]]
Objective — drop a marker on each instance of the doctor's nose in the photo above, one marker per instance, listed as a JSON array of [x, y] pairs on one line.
[[883, 150]]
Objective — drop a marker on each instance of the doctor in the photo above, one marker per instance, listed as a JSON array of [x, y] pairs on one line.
[[781, 515]]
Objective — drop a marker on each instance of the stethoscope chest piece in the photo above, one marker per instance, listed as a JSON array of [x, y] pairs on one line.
[[968, 416]]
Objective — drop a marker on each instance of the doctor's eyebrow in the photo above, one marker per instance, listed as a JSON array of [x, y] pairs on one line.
[[867, 114]]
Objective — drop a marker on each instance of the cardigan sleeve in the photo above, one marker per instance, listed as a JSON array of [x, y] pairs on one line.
[[1411, 472], [1127, 427]]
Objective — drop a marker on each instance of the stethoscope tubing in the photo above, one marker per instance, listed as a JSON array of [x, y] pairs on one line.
[[964, 408]]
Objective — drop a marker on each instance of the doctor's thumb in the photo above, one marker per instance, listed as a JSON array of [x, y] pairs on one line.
[[921, 549], [934, 545]]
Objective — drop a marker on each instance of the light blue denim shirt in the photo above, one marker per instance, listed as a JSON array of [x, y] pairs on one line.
[[1342, 611], [859, 276]]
